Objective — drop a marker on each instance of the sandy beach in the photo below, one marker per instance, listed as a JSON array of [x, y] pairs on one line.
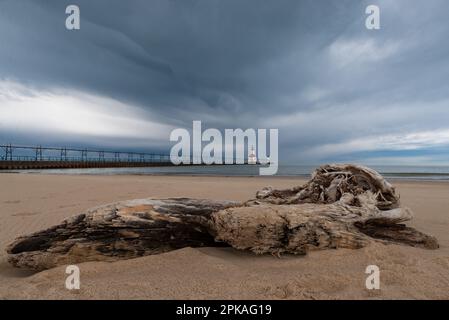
[[31, 202]]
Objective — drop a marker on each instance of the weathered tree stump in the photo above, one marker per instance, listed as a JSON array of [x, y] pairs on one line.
[[342, 206]]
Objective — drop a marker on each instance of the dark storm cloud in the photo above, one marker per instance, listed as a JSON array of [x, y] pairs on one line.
[[309, 68]]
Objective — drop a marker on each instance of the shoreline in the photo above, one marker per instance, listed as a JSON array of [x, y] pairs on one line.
[[393, 179]]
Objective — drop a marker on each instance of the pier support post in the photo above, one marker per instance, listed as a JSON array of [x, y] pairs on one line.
[[38, 153], [84, 155], [64, 154]]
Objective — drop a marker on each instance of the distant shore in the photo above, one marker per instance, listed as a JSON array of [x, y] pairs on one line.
[[31, 202]]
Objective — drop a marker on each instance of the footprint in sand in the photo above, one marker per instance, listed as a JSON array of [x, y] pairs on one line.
[[11, 201], [67, 206], [24, 214]]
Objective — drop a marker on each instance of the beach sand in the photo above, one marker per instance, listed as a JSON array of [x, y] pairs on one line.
[[31, 202]]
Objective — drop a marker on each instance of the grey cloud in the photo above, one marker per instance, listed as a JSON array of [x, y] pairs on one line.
[[244, 63]]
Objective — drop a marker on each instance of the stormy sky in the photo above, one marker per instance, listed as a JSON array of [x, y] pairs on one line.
[[138, 69]]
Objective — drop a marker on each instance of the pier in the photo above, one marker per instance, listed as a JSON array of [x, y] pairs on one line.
[[15, 157]]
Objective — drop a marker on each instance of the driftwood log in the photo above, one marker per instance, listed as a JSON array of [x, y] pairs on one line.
[[342, 206]]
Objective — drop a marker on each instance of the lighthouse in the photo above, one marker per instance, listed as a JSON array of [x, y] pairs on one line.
[[252, 159]]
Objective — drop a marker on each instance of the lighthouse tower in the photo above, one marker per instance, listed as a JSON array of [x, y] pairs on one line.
[[252, 159]]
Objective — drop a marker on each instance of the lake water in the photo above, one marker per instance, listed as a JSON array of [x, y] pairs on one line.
[[394, 172]]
